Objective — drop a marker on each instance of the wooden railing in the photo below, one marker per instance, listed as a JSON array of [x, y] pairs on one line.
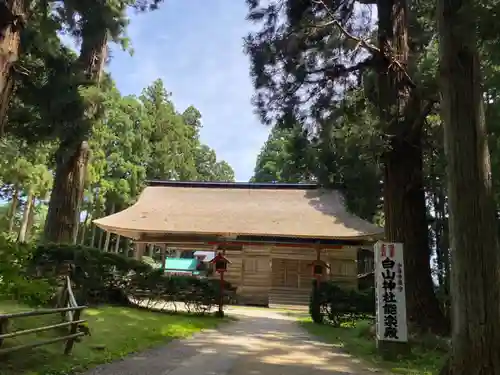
[[71, 314]]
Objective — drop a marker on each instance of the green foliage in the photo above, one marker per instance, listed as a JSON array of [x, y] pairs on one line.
[[342, 156], [287, 156], [101, 277], [16, 281], [116, 332], [315, 304], [199, 295], [358, 340], [334, 305]]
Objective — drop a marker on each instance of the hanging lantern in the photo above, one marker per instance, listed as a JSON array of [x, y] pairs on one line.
[[220, 262]]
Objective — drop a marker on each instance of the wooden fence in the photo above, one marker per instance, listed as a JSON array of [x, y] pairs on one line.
[[71, 315]]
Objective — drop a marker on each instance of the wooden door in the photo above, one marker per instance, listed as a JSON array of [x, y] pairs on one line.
[[278, 272], [291, 273]]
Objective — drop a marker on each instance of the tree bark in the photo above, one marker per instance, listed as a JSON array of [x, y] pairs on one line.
[[12, 18], [13, 209], [65, 200], [406, 222], [475, 271], [83, 228], [31, 219], [403, 114], [92, 238], [73, 153], [24, 222]]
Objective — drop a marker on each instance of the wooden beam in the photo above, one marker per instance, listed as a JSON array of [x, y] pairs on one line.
[[249, 239]]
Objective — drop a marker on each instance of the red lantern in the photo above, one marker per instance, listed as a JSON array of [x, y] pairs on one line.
[[220, 262]]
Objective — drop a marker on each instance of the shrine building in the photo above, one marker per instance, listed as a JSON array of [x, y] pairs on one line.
[[272, 233]]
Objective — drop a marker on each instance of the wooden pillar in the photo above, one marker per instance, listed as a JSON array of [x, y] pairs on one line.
[[163, 255], [139, 250]]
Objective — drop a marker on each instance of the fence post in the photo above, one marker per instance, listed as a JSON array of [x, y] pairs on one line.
[[74, 328], [3, 327]]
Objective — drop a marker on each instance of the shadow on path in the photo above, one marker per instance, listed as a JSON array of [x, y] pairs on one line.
[[259, 343]]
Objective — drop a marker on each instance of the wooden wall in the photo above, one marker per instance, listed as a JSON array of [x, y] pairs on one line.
[[343, 266], [255, 270], [256, 275], [287, 261]]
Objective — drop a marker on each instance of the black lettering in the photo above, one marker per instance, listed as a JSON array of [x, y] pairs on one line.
[[388, 263], [390, 309], [391, 333], [389, 285], [390, 321], [389, 297]]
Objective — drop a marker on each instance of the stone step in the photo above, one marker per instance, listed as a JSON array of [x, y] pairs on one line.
[[289, 297], [302, 308], [288, 300]]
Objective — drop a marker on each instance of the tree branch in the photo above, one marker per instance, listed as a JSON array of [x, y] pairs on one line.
[[340, 70], [363, 43]]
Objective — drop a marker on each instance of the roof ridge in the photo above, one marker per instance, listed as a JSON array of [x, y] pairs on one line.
[[235, 185]]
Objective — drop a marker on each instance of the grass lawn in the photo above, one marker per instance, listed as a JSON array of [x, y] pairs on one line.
[[356, 341], [115, 332]]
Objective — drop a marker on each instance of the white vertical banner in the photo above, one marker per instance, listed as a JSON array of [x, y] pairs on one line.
[[390, 292]]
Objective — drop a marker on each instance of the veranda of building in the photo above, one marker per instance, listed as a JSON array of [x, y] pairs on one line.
[[270, 232]]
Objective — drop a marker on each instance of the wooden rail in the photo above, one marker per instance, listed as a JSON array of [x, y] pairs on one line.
[[71, 314]]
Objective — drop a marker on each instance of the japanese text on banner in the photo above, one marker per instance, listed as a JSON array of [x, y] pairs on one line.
[[390, 292]]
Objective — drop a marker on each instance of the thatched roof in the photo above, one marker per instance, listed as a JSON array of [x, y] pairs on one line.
[[239, 209]]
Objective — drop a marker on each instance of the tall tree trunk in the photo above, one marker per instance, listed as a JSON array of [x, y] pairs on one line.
[[83, 227], [403, 113], [73, 154], [92, 238], [31, 218], [13, 209], [63, 216], [475, 271], [24, 222], [12, 18]]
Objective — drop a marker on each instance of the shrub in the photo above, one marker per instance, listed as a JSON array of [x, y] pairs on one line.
[[16, 282], [315, 304], [101, 277], [335, 305], [198, 294]]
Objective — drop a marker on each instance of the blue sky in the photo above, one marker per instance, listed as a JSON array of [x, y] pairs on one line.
[[196, 48]]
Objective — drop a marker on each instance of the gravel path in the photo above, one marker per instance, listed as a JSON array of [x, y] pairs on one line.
[[261, 342]]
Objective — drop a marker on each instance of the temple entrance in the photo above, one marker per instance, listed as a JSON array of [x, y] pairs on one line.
[[285, 273]]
